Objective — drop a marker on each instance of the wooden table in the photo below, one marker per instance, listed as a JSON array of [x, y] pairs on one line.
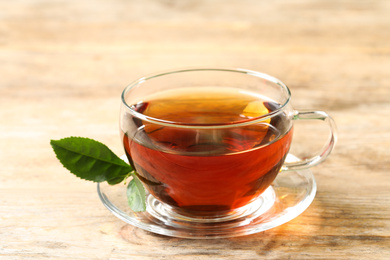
[[63, 65]]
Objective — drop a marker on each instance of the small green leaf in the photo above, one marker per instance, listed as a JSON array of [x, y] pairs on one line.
[[136, 195], [90, 160]]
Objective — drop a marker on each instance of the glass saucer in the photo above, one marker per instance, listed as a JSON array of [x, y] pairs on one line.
[[290, 194]]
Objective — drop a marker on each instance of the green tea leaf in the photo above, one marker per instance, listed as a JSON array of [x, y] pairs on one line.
[[90, 160], [136, 195]]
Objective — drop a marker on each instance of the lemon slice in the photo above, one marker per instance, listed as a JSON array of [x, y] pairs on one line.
[[256, 109]]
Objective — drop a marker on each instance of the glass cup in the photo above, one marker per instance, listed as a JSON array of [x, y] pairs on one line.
[[207, 143]]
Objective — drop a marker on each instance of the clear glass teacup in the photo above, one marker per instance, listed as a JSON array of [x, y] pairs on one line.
[[206, 143]]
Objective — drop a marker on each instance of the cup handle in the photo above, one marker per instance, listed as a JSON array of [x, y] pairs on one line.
[[325, 151]]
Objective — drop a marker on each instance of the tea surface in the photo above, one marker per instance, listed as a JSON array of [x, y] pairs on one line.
[[204, 105]]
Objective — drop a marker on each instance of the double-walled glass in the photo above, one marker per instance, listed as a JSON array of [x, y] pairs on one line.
[[206, 143]]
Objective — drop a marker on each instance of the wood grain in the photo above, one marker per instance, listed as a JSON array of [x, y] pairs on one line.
[[64, 64]]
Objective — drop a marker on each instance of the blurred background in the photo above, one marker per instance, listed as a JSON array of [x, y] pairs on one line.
[[87, 48]]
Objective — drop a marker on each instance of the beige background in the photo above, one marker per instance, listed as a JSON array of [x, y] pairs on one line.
[[63, 65]]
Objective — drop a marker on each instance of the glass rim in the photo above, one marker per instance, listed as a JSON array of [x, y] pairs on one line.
[[211, 125]]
